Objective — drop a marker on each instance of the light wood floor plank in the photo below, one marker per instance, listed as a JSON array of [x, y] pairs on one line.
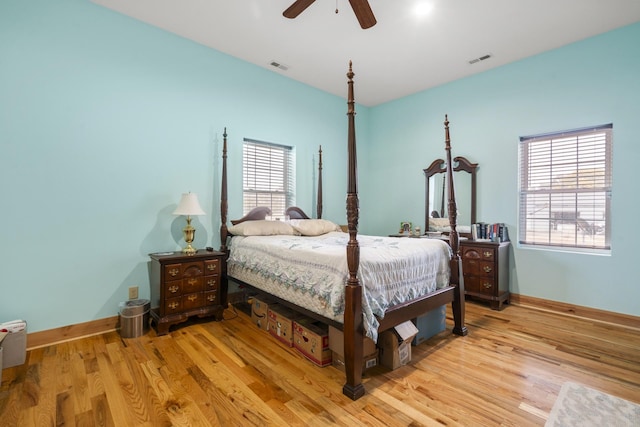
[[113, 393], [102, 411], [44, 411], [180, 371], [247, 408]]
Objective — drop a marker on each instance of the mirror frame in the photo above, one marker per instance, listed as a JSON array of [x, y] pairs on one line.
[[439, 166]]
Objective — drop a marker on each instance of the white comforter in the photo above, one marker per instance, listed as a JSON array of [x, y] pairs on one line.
[[312, 271]]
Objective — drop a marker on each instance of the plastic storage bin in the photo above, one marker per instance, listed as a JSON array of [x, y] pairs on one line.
[[134, 318], [14, 344]]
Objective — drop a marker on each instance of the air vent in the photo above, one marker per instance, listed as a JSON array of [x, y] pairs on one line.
[[279, 65], [482, 58]]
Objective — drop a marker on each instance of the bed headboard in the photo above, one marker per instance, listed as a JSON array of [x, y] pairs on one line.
[[295, 212]]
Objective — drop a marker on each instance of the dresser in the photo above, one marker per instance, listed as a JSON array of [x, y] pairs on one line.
[[485, 267], [185, 285]]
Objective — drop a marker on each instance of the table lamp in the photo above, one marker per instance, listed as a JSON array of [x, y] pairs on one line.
[[189, 206]]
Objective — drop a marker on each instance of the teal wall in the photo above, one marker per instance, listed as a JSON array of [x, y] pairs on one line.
[[593, 82], [105, 121]]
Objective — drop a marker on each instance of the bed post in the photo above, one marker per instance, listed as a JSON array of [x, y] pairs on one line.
[[353, 328], [224, 281], [457, 279], [223, 196], [319, 201]]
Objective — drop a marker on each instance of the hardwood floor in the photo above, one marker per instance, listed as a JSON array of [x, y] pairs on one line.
[[507, 371]]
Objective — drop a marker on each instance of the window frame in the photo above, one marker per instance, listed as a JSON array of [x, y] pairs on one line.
[[579, 189], [268, 176]]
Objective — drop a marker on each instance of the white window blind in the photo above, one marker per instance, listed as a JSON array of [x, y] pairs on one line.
[[565, 189], [268, 176]]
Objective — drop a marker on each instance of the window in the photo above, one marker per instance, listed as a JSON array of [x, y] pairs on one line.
[[268, 172], [565, 190]]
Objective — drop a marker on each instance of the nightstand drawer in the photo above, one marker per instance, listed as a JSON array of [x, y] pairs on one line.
[[479, 285], [191, 284], [173, 271], [486, 254], [211, 298], [211, 283], [192, 300], [478, 268], [212, 267], [192, 269], [173, 289], [173, 305]]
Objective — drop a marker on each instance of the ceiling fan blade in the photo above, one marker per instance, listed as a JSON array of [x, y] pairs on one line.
[[364, 13], [297, 8]]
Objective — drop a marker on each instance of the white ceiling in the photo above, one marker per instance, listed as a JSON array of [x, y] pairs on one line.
[[402, 54]]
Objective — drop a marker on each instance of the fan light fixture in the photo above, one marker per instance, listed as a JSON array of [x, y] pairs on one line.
[[361, 8]]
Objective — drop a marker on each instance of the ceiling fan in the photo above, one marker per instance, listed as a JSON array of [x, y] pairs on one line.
[[360, 7]]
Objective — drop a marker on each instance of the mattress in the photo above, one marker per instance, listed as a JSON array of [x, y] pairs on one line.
[[311, 272]]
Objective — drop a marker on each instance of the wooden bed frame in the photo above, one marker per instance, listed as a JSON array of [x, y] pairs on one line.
[[353, 321]]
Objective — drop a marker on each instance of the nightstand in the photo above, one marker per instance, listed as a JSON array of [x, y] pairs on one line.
[[186, 285], [485, 267]]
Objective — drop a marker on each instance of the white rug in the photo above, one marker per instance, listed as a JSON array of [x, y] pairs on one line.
[[578, 405]]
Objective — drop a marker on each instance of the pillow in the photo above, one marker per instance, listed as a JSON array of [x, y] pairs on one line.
[[314, 227], [262, 228], [442, 225], [439, 224]]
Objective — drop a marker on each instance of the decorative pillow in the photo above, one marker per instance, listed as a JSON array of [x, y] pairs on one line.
[[262, 228], [314, 227]]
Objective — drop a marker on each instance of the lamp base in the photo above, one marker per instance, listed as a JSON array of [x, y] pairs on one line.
[[189, 250], [189, 235]]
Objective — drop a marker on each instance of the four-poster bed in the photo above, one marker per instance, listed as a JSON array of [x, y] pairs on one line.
[[355, 318]]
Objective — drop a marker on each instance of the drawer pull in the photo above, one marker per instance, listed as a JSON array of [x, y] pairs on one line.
[[212, 267], [192, 298], [173, 289], [174, 272], [487, 269], [211, 283], [173, 305], [487, 285], [211, 298], [192, 282], [487, 254]]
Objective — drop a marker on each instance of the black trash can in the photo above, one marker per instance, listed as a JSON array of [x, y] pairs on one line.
[[134, 318]]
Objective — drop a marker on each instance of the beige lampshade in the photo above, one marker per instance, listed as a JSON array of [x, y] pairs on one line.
[[189, 205]]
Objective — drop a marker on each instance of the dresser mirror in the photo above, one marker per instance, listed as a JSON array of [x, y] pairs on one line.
[[436, 209]]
